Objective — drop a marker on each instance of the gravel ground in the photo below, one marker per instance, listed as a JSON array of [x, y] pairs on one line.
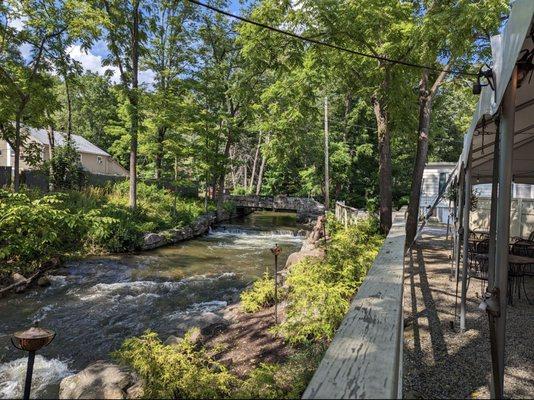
[[441, 363]]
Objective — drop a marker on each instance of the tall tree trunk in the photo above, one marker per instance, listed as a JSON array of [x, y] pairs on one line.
[[222, 173], [426, 96], [69, 109], [384, 168], [245, 173], [260, 175], [51, 146], [253, 173], [16, 166], [346, 117], [134, 100], [159, 152]]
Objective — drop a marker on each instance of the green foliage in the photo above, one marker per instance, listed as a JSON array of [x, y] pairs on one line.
[[176, 371], [260, 295], [34, 227], [320, 291], [65, 169], [33, 230], [286, 380]]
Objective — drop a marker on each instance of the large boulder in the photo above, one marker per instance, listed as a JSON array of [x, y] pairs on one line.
[[100, 380], [208, 324], [301, 255], [153, 240]]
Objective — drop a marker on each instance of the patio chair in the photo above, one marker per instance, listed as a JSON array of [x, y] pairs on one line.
[[477, 265]]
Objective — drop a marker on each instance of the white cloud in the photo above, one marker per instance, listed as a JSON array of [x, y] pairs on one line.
[[92, 62], [17, 23]]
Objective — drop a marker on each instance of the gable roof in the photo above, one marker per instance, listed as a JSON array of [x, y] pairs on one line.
[[60, 138]]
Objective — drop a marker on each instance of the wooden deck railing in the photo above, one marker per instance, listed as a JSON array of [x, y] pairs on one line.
[[365, 358], [348, 215]]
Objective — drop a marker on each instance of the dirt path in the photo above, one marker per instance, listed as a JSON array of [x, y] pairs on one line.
[[247, 342]]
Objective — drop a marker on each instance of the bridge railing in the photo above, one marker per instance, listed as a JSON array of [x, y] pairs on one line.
[[365, 358], [348, 215]]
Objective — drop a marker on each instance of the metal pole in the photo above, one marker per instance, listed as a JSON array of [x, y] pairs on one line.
[[326, 157], [29, 373], [466, 210], [507, 128], [493, 210], [276, 289]]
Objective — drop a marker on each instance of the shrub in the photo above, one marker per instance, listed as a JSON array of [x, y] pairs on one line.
[[65, 168], [33, 230], [260, 295], [286, 380], [175, 371], [320, 291]]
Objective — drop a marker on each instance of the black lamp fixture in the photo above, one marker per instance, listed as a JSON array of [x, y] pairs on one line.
[[484, 73]]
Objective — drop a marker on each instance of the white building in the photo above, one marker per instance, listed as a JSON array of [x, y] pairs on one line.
[[435, 178]]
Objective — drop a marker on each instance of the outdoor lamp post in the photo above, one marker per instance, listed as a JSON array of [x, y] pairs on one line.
[[31, 340], [276, 250]]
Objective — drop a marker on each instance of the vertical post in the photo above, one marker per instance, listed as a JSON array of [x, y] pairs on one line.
[[466, 210], [276, 288], [507, 129], [29, 373], [326, 157], [493, 209], [459, 222]]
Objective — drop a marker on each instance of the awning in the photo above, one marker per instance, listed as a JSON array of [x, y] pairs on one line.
[[507, 48]]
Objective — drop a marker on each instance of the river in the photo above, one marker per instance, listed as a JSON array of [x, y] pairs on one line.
[[95, 303]]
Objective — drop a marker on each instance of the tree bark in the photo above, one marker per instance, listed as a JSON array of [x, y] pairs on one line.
[[426, 96], [254, 163], [16, 166], [162, 130], [51, 146], [384, 149], [69, 110], [260, 175], [134, 112]]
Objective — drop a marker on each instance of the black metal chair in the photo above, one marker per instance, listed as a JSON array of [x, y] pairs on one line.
[[477, 262]]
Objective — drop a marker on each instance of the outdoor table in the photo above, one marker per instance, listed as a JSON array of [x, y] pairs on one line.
[[517, 271]]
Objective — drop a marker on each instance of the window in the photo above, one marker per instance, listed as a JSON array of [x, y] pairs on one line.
[[99, 159], [442, 181]]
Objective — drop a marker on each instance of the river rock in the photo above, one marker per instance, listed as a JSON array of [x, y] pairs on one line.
[[100, 380], [153, 240], [44, 281], [294, 258], [208, 323], [18, 278], [172, 340]]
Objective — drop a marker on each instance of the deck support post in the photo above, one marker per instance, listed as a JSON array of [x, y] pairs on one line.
[[507, 129]]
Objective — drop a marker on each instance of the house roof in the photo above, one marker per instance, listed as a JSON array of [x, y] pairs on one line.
[[81, 144]]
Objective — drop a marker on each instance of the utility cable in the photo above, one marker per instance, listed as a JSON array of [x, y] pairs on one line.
[[326, 44]]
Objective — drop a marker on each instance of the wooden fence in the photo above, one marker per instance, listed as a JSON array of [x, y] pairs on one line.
[[348, 215], [364, 361]]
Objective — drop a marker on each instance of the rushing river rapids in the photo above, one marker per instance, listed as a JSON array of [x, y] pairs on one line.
[[96, 303]]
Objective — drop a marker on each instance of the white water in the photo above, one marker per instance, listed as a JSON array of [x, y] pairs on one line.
[[46, 372]]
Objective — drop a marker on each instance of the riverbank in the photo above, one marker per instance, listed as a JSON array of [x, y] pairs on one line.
[[95, 303], [244, 354], [38, 228]]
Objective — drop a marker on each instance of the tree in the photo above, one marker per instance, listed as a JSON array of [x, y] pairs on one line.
[[43, 27], [447, 47], [124, 32]]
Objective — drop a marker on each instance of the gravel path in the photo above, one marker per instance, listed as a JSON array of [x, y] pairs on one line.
[[440, 363]]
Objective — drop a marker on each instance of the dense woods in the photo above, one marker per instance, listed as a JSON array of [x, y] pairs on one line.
[[237, 107]]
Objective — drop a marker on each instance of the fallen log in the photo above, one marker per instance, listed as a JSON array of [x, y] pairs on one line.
[[23, 284]]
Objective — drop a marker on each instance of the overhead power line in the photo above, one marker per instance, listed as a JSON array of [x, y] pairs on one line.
[[330, 45]]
